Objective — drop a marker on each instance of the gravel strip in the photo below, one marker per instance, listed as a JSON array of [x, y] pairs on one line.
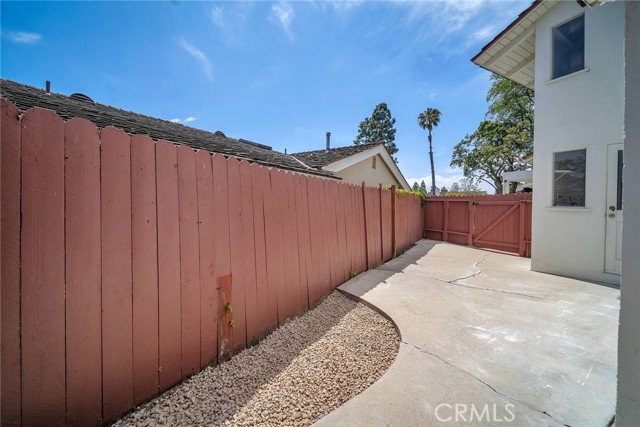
[[298, 374]]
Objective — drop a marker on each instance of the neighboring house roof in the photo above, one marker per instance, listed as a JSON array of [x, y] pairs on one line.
[[339, 158], [25, 97], [321, 158], [511, 53]]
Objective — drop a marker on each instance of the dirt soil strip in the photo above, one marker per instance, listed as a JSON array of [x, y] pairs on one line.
[[298, 374]]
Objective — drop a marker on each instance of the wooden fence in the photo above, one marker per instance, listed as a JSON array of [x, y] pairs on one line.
[[500, 222], [129, 264]]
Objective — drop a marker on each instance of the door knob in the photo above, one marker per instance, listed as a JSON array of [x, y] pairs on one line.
[[612, 208]]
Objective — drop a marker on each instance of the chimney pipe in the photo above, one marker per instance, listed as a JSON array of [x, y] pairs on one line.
[[328, 140], [48, 86]]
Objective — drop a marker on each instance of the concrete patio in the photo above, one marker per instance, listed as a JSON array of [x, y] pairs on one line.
[[486, 341]]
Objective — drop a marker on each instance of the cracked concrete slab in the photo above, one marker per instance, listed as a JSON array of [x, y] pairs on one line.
[[481, 328]]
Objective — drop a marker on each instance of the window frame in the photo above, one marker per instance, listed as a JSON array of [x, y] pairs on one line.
[[552, 197], [584, 49]]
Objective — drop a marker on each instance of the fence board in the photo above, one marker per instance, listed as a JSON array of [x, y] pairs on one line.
[[273, 276], [237, 255], [10, 152], [249, 253], [222, 252], [43, 307], [206, 236], [291, 250], [386, 225], [258, 183], [304, 240], [144, 257], [117, 322], [315, 233], [83, 273], [341, 238], [327, 239], [169, 329], [275, 255], [189, 261]]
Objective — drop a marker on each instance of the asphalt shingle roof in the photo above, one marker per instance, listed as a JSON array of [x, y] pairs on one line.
[[25, 97], [320, 158]]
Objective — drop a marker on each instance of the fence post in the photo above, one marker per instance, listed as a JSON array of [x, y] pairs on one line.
[[521, 248], [393, 221], [366, 237], [445, 232], [470, 236], [381, 224]]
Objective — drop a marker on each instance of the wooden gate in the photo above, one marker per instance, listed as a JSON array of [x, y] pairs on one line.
[[501, 222]]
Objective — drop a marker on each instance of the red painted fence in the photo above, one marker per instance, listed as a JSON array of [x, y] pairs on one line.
[[500, 222], [122, 258]]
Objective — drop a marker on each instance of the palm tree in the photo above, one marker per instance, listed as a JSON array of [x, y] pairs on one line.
[[427, 120]]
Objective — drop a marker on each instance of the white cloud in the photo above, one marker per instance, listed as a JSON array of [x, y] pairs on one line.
[[23, 37], [345, 5], [187, 120], [283, 13], [230, 20], [199, 55]]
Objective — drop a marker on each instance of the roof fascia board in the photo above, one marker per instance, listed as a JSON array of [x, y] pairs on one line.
[[512, 44]]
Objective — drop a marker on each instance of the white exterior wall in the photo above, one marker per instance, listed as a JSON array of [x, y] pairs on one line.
[[362, 171], [628, 408], [584, 110]]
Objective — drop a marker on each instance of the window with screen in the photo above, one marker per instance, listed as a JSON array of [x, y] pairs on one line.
[[569, 173], [568, 47]]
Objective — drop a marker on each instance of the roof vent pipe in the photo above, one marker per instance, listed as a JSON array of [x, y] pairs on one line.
[[328, 140], [48, 86]]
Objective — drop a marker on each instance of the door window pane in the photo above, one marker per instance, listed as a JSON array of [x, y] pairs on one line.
[[569, 178], [619, 182], [568, 47]]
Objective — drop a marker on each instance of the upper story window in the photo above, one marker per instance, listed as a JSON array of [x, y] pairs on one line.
[[570, 168], [568, 47]]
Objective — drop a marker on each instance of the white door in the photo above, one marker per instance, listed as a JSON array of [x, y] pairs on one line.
[[613, 249]]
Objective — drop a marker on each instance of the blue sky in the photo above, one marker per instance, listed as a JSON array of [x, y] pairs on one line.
[[278, 73]]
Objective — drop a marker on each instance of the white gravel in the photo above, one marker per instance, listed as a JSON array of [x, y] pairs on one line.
[[298, 374]]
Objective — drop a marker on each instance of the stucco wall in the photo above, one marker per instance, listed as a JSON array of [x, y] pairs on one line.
[[584, 110], [628, 409], [362, 171]]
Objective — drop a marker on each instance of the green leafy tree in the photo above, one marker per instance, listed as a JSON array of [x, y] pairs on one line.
[[455, 188], [443, 190], [423, 187], [415, 187], [489, 152], [429, 119], [469, 185], [379, 128], [502, 139]]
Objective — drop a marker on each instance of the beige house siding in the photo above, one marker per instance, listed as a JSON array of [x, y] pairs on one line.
[[364, 171]]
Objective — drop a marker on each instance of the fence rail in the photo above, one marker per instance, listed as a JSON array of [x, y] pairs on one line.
[[122, 258], [500, 222]]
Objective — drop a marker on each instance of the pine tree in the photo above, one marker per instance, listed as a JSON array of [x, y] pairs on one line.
[[423, 187], [415, 186], [379, 128]]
